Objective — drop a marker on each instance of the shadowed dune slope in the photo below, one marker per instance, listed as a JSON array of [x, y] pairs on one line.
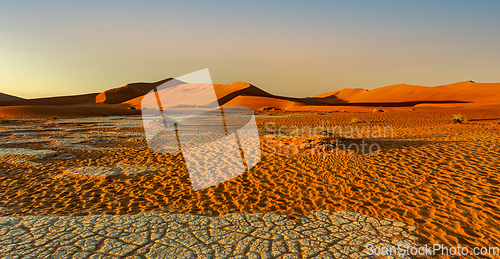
[[127, 92], [226, 93], [258, 102], [54, 101], [9, 98], [344, 94]]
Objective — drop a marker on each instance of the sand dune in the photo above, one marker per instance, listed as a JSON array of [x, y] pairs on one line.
[[466, 91], [238, 92], [402, 95], [248, 95]]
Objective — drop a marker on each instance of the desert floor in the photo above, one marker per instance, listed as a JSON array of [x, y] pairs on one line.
[[439, 176]]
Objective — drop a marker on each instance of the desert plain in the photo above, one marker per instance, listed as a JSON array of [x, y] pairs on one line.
[[83, 177]]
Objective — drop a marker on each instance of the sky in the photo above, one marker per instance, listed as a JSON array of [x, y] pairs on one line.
[[292, 48]]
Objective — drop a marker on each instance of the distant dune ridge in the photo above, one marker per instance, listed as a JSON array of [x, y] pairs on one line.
[[467, 91], [53, 101], [122, 99], [248, 95]]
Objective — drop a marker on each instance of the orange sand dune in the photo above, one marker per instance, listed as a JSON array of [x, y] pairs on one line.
[[224, 93], [245, 94], [401, 95], [467, 91]]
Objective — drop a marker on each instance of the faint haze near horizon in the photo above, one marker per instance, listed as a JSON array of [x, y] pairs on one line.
[[288, 48]]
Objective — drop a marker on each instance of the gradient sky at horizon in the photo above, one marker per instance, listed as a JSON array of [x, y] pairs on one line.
[[50, 48]]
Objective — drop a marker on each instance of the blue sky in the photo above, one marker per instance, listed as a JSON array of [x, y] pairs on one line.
[[294, 48]]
